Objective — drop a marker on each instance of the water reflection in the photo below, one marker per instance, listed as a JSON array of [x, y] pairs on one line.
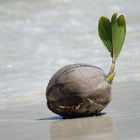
[[98, 128]]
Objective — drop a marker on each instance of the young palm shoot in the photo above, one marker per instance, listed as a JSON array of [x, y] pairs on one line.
[[112, 34], [81, 90]]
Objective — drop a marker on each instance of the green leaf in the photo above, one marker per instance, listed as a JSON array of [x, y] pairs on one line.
[[113, 18], [118, 34], [104, 30], [112, 33]]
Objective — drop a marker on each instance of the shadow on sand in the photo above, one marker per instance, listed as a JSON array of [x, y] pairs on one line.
[[60, 117], [51, 118]]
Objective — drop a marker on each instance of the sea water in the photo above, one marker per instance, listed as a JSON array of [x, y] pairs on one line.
[[38, 37]]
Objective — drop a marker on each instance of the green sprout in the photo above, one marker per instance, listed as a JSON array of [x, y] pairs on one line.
[[112, 33]]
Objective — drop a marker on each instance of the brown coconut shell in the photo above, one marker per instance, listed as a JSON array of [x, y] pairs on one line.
[[78, 90]]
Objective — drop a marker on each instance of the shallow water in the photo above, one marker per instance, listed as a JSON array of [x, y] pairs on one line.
[[39, 37]]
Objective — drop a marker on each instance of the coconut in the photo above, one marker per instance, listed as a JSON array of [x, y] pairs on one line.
[[78, 90]]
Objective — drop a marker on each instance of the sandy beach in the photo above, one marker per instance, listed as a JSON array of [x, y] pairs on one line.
[[119, 121], [39, 37]]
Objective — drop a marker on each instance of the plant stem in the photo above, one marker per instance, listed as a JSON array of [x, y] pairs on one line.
[[112, 68], [111, 74]]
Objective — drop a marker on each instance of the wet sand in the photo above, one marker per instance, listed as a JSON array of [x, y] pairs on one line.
[[119, 121]]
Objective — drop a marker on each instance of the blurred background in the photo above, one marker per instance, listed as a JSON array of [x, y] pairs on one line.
[[38, 37]]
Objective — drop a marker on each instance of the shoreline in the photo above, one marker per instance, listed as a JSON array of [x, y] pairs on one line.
[[40, 96]]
